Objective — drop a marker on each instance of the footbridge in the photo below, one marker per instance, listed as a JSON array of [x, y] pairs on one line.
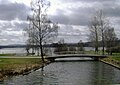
[[94, 57]]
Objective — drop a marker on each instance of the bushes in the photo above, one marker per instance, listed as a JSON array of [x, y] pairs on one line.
[[113, 49], [61, 47], [66, 49], [71, 48]]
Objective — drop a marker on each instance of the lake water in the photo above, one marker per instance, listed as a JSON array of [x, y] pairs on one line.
[[22, 50], [69, 73], [12, 50]]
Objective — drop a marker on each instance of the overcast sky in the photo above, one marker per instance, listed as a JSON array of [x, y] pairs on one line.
[[73, 17]]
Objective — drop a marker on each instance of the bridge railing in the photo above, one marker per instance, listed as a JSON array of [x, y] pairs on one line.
[[70, 52]]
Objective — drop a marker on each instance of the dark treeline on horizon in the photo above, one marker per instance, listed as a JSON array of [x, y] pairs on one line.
[[85, 44]]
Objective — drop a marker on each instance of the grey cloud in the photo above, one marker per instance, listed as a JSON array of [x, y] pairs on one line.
[[20, 26], [79, 16], [82, 15], [112, 11], [117, 21], [10, 35], [60, 17], [68, 30], [88, 1], [11, 11], [4, 1], [16, 26]]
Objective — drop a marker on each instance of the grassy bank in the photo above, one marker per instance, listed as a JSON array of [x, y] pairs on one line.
[[16, 66], [114, 61], [9, 54]]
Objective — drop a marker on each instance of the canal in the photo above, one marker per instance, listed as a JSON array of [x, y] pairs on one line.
[[69, 73]]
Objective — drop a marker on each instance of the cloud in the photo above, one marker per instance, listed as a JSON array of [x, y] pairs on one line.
[[4, 1], [72, 34], [78, 16], [11, 32], [68, 30], [12, 11], [12, 22], [87, 1], [72, 15], [113, 11], [13, 25], [79, 12], [12, 37]]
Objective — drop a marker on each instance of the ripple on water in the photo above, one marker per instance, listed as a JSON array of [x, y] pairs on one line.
[[69, 73]]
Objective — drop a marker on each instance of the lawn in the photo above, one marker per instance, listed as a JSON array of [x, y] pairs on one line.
[[13, 54], [116, 58], [15, 66], [11, 62]]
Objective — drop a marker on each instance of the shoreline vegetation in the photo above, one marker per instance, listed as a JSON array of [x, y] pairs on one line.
[[113, 61], [11, 65], [19, 66]]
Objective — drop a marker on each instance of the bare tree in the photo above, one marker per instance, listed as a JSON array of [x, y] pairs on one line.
[[103, 25], [31, 41], [110, 39], [43, 30], [94, 33], [97, 29]]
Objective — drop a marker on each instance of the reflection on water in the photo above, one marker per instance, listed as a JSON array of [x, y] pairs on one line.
[[69, 73]]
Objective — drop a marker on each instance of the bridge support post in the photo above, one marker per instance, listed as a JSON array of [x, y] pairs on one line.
[[96, 58]]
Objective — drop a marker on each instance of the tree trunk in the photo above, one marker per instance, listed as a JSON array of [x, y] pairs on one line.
[[41, 50], [38, 51], [96, 42], [103, 45], [33, 50], [96, 50]]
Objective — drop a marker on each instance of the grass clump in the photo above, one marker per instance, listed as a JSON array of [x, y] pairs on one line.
[[16, 66]]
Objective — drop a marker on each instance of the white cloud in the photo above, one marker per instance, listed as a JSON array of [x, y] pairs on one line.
[[72, 15]]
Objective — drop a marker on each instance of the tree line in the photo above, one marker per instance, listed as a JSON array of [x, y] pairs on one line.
[[64, 48], [102, 31]]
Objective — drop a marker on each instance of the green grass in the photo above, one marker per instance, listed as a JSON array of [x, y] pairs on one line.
[[116, 58], [89, 52], [116, 55], [15, 63], [7, 54], [19, 60], [16, 66]]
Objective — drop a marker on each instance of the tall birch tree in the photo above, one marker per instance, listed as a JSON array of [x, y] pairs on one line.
[[43, 29]]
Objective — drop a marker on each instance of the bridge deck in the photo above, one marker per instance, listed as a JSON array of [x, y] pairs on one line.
[[75, 55]]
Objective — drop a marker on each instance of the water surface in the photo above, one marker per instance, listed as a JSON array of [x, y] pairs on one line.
[[69, 73]]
